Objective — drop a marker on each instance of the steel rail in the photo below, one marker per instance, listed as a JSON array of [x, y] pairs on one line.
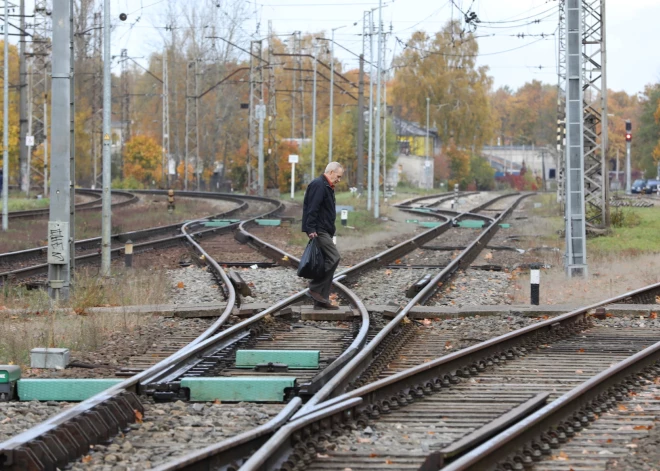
[[406, 386], [80, 207], [209, 457], [160, 243], [95, 242], [578, 406], [67, 435]]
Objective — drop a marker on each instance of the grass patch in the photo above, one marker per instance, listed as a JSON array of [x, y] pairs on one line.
[[26, 204], [642, 237], [36, 321]]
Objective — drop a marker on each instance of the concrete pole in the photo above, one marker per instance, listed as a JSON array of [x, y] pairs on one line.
[[107, 177], [29, 127], [313, 173], [628, 181], [332, 93], [261, 115], [384, 122], [360, 136], [378, 95], [426, 144], [59, 266], [46, 143], [371, 111], [23, 107], [5, 152]]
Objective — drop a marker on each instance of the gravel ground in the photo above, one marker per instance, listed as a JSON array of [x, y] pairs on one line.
[[173, 429], [118, 347], [16, 417], [270, 285], [475, 287], [193, 285], [384, 285]]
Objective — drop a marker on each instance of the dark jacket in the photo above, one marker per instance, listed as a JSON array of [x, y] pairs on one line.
[[319, 211]]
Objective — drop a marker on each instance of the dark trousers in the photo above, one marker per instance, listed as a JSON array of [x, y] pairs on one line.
[[331, 261]]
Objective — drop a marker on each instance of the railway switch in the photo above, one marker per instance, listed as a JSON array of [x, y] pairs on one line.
[[9, 375]]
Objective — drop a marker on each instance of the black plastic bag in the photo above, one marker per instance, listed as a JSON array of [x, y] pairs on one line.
[[311, 262]]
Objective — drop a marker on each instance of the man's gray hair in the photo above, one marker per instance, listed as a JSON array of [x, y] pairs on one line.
[[333, 167]]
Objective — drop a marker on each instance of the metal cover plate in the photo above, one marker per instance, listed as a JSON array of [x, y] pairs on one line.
[[253, 389], [306, 359], [62, 389]]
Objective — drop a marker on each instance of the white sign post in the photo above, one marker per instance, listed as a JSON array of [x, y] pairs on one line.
[[293, 160]]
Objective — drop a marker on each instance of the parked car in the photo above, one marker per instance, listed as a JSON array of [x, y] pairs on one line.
[[638, 186], [651, 186]]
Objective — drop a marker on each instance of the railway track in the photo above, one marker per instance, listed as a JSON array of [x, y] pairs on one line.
[[19, 449], [31, 263], [126, 198]]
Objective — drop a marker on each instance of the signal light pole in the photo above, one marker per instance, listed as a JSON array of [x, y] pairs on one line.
[[628, 142]]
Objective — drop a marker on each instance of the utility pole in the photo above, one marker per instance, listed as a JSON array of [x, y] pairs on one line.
[[313, 173], [332, 90], [261, 115], [302, 88], [106, 210], [97, 99], [272, 106], [378, 95], [59, 274], [575, 231], [293, 92], [426, 145], [125, 111], [24, 175], [360, 136], [192, 132], [166, 123], [628, 144], [384, 125], [371, 108], [72, 148], [256, 98], [5, 152]]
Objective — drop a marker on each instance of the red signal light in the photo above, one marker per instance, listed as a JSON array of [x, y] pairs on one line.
[[628, 137]]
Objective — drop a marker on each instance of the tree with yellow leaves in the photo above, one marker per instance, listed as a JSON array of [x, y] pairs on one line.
[[143, 160]]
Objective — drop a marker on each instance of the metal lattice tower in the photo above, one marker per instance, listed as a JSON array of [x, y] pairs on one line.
[[575, 217], [561, 100], [125, 108], [192, 118], [40, 55], [256, 97], [594, 83], [271, 109]]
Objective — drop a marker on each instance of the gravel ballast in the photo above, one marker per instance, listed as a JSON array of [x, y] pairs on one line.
[[174, 429], [193, 285], [17, 417]]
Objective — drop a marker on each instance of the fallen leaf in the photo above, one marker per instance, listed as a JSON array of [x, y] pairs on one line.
[[431, 433], [285, 258], [364, 440], [388, 272], [654, 315], [488, 256], [397, 261], [562, 456], [639, 408], [321, 455], [388, 461], [373, 455], [622, 408], [609, 440], [643, 427], [579, 372], [448, 345], [138, 416], [217, 401], [5, 420], [581, 350], [426, 322], [87, 459], [180, 285]]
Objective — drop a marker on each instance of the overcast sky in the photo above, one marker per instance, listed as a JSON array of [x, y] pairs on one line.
[[513, 59]]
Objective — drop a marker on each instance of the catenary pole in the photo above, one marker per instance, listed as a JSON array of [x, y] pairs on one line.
[[23, 108], [313, 173], [107, 177], [332, 93], [59, 231], [370, 156], [5, 152], [378, 95], [360, 136]]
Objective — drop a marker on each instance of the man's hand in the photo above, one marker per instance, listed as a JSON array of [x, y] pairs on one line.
[[312, 235]]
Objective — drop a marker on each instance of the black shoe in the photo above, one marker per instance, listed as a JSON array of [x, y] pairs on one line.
[[328, 306], [317, 297]]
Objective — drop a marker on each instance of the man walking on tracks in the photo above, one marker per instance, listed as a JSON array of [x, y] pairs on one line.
[[318, 222]]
